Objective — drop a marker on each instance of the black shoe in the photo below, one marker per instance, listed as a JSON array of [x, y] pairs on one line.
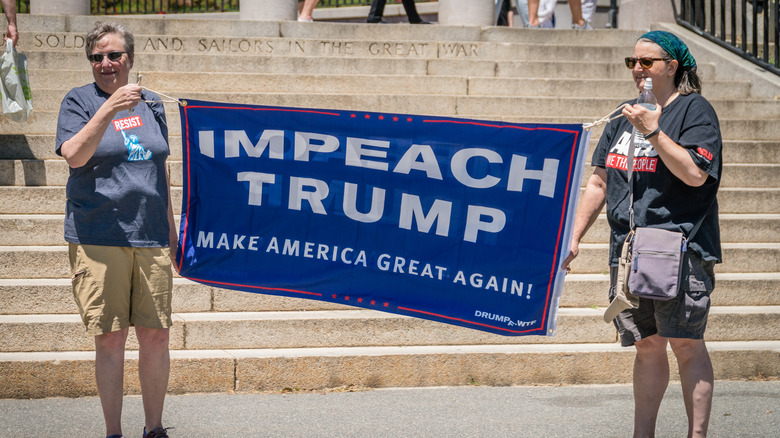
[[380, 21], [420, 22], [157, 433]]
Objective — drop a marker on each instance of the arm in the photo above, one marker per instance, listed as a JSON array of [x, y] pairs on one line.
[[593, 199], [9, 8], [79, 149], [675, 157]]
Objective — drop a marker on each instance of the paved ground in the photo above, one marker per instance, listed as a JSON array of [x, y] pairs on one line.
[[741, 409]]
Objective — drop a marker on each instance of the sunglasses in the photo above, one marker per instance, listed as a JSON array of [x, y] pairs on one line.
[[644, 62], [97, 58]]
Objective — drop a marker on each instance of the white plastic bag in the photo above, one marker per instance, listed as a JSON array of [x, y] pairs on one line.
[[14, 84]]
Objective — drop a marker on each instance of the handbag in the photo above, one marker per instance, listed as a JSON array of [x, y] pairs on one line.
[[15, 92], [651, 260], [656, 258]]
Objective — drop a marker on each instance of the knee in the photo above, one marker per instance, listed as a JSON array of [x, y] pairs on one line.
[[156, 339], [686, 349], [652, 348], [111, 341]]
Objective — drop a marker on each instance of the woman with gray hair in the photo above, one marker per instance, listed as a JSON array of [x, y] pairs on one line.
[[119, 223]]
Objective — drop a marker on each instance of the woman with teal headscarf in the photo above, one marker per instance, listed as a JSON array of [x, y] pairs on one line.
[[677, 169]]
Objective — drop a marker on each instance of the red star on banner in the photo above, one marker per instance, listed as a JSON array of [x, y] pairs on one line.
[[367, 116], [381, 117], [360, 300], [373, 302], [386, 304], [352, 115], [334, 296], [409, 119], [395, 119], [346, 298]]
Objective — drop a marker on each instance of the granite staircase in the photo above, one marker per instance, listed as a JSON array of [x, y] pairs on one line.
[[233, 341]]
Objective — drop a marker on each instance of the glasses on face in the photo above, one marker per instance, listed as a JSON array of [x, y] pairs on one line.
[[97, 58], [644, 62]]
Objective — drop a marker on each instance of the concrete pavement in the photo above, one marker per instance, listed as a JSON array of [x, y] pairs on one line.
[[740, 409]]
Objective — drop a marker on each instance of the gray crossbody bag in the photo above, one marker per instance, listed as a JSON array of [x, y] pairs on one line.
[[655, 257]]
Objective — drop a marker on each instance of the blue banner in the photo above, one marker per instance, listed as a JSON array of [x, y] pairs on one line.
[[460, 221]]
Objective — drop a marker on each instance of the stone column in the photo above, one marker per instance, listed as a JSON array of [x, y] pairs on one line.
[[467, 12], [269, 10], [59, 7], [640, 14]]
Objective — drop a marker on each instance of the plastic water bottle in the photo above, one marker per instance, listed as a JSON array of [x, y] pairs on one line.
[[647, 98]]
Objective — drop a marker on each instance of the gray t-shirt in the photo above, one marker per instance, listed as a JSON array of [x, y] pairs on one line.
[[120, 196]]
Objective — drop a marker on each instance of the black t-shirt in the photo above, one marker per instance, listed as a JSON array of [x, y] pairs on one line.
[[661, 200]]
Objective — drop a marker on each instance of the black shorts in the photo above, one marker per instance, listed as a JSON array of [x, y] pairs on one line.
[[684, 316]]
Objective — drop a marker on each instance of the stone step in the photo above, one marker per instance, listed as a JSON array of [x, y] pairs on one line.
[[363, 48], [355, 328], [557, 110], [756, 176], [734, 228], [329, 65], [71, 374], [41, 147], [49, 28], [346, 46], [532, 109], [42, 230], [33, 262], [732, 93], [54, 296], [51, 200], [311, 329], [55, 173]]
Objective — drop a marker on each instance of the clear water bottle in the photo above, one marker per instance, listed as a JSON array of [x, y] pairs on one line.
[[647, 98]]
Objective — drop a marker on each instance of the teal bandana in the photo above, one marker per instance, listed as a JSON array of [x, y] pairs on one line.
[[673, 46]]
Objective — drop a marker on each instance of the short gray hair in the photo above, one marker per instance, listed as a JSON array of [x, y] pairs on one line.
[[102, 29]]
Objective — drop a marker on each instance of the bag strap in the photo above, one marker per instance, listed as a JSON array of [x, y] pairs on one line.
[[630, 172]]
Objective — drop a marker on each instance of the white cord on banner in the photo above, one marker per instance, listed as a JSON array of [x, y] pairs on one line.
[[167, 98], [605, 119]]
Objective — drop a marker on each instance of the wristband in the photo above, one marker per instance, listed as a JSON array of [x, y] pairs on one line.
[[653, 134]]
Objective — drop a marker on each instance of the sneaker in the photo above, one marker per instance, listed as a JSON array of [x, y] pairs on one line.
[[585, 26], [305, 19], [157, 433]]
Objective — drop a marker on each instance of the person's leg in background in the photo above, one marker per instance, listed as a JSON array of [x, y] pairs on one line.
[[376, 12], [533, 13], [588, 11], [575, 6], [411, 12], [306, 9]]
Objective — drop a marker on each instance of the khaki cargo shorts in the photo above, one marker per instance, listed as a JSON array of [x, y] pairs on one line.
[[116, 287]]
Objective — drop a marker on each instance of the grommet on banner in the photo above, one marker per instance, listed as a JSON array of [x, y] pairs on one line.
[[182, 102]]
